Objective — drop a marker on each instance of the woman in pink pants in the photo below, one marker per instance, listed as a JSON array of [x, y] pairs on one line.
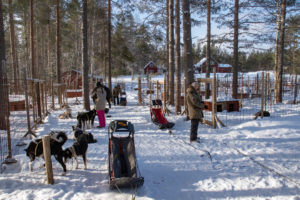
[[99, 95]]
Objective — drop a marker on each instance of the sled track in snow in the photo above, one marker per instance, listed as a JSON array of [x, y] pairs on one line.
[[183, 142], [267, 168]]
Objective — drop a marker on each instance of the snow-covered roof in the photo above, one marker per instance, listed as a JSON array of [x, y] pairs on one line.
[[149, 64], [225, 65], [203, 60]]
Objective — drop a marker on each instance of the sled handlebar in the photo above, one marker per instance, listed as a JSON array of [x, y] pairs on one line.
[[120, 126]]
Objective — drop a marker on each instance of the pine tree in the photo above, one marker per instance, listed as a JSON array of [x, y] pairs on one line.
[[177, 57], [85, 62]]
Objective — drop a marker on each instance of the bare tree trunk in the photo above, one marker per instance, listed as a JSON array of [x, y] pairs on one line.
[[33, 66], [93, 45], [32, 41], [171, 52], [2, 61], [85, 62], [235, 50], [109, 44], [207, 75], [277, 35], [26, 35], [58, 53], [177, 57], [279, 70], [166, 92], [14, 60], [187, 38], [49, 64]]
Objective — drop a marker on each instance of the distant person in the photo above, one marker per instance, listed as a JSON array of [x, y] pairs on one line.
[[195, 106], [116, 93], [99, 98]]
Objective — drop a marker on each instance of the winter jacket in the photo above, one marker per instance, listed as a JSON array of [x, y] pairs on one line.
[[100, 99], [107, 90], [194, 103], [116, 91]]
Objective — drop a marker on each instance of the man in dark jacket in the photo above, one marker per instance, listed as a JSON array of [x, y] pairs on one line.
[[195, 106], [116, 92]]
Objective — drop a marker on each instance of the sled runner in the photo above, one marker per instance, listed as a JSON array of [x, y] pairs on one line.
[[122, 167], [157, 115]]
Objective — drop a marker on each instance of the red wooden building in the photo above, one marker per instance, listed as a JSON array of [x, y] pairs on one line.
[[150, 68], [220, 68], [73, 79]]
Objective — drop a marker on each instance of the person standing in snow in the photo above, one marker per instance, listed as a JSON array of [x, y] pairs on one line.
[[195, 106], [116, 92], [99, 97]]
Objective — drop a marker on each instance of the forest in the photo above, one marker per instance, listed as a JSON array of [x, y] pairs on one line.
[[111, 38], [155, 68]]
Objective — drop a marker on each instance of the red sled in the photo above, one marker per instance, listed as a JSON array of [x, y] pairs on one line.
[[158, 117]]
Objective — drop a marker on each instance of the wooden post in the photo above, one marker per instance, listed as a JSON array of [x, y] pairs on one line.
[[266, 91], [42, 99], [52, 95], [139, 91], [241, 104], [249, 88], [27, 107], [262, 95], [165, 90], [214, 100], [226, 86], [296, 90], [47, 157], [157, 89], [257, 84], [65, 93], [33, 102], [46, 102], [150, 88]]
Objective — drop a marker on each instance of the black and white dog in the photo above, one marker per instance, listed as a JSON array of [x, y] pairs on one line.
[[35, 148], [80, 146], [77, 132], [86, 119]]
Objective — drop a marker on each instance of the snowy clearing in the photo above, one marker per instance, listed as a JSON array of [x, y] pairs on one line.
[[252, 160]]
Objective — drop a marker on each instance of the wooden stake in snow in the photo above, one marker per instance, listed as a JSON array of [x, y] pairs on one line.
[[140, 91], [262, 94], [47, 157], [296, 89]]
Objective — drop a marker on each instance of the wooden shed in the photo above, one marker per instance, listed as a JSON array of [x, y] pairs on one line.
[[150, 68], [220, 68]]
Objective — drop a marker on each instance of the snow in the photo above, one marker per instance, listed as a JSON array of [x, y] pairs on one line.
[[225, 65], [257, 159], [203, 60]]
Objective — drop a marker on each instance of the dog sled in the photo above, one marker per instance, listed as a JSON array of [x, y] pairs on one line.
[[122, 167], [123, 100], [157, 115]]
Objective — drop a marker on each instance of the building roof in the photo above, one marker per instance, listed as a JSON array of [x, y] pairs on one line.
[[225, 65], [203, 60], [149, 64]]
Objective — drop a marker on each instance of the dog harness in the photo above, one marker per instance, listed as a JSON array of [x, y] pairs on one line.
[[36, 147]]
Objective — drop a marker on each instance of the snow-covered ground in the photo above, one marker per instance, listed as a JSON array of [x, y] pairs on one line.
[[252, 160]]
